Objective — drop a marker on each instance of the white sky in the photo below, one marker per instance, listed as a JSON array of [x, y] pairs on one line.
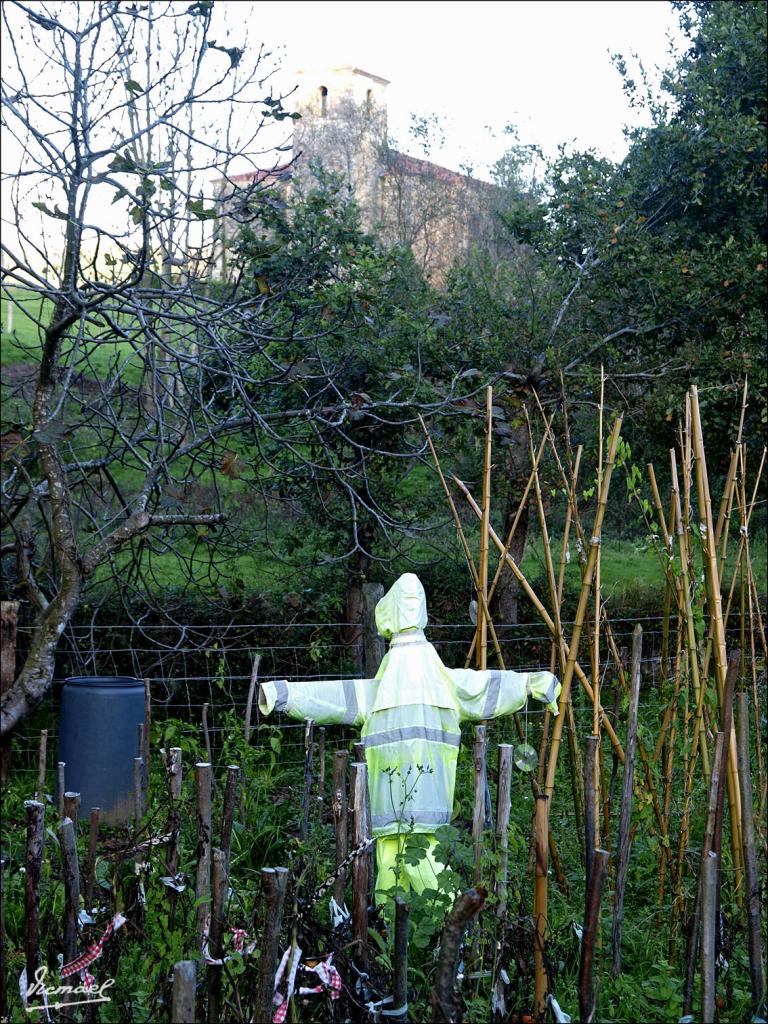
[[543, 65]]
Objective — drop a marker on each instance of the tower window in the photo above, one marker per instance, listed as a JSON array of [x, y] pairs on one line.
[[323, 101]]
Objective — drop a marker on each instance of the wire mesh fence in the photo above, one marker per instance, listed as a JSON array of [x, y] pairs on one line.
[[191, 665]]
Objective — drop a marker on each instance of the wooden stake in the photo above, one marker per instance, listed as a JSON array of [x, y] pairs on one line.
[[751, 874], [479, 751], [71, 876], [203, 876], [90, 864], [465, 909], [206, 735], [71, 804], [147, 729], [503, 806], [216, 934], [35, 815], [400, 965], [321, 762], [589, 935], [706, 848], [230, 799], [339, 805], [174, 770], [40, 794], [184, 985], [138, 802], [627, 790], [307, 792], [360, 880], [251, 692], [60, 787], [274, 882], [708, 932]]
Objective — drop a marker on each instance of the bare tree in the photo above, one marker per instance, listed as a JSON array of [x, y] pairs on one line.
[[151, 386]]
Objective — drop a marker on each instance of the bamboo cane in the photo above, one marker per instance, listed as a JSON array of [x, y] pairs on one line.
[[713, 588], [530, 593], [481, 647], [541, 830], [581, 608], [754, 938], [624, 839]]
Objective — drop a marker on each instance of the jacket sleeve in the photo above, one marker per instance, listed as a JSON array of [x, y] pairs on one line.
[[491, 693], [325, 701]]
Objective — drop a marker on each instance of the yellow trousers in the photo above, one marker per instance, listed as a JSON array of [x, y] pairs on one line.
[[391, 871]]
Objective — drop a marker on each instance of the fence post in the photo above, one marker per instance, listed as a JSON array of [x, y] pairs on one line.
[[9, 615], [71, 875], [360, 878], [465, 909], [479, 751], [339, 804], [589, 935], [90, 864], [216, 934], [183, 999], [203, 812], [274, 882], [71, 804], [400, 973], [306, 795], [41, 757], [503, 806], [35, 814], [708, 932], [174, 767], [230, 796]]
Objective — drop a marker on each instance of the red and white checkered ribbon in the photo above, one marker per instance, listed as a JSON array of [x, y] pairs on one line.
[[239, 936], [279, 1000], [79, 964], [330, 979]]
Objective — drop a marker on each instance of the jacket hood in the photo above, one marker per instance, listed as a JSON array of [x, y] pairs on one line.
[[404, 606]]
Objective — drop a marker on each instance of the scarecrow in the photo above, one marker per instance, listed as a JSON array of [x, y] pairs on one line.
[[410, 715]]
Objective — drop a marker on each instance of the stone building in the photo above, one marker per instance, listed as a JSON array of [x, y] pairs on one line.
[[439, 213]]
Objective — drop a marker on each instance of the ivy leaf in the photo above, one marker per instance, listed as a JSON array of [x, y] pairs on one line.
[[196, 207], [56, 212], [133, 87], [136, 214]]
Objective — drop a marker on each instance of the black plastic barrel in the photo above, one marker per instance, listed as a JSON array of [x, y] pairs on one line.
[[98, 733]]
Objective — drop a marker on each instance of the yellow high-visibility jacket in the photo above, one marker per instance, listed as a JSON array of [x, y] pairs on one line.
[[410, 713]]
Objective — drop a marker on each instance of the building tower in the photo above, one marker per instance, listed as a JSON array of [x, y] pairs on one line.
[[343, 125]]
